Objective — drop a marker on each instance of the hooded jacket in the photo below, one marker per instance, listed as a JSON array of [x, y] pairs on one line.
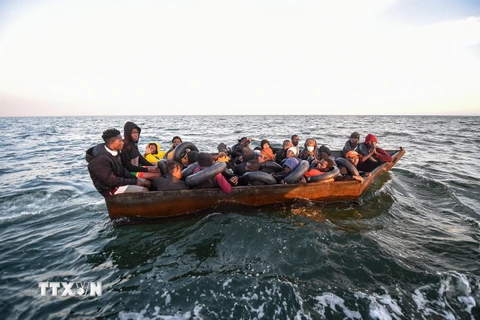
[[131, 157], [106, 170], [154, 158]]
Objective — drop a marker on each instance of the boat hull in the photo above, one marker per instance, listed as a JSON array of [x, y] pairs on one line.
[[169, 204]]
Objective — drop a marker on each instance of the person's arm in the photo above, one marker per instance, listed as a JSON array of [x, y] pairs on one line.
[[382, 155], [223, 183], [104, 171], [126, 161], [144, 162]]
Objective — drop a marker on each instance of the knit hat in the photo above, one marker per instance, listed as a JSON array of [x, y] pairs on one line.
[[247, 154], [370, 138], [355, 135], [351, 154], [293, 149], [292, 163], [204, 159]]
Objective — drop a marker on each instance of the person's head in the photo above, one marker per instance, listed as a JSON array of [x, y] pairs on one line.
[[310, 144], [325, 164], [244, 141], [290, 164], [264, 144], [287, 144], [370, 140], [261, 158], [354, 138], [135, 134], [192, 156], [153, 148], [295, 140], [174, 169], [252, 165], [353, 157], [131, 131], [291, 152], [247, 154], [113, 139], [176, 141], [204, 159]]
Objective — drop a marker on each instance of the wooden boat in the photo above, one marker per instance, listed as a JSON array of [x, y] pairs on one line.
[[170, 204]]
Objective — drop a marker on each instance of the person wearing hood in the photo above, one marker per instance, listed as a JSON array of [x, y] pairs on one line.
[[131, 157], [351, 143], [312, 150], [205, 160], [379, 155], [105, 167], [153, 153]]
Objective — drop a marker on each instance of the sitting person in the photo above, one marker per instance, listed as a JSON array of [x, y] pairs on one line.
[[172, 180], [372, 156], [247, 154], [351, 143], [105, 167], [244, 180], [288, 168], [175, 142], [292, 152], [131, 157], [282, 153], [205, 160], [266, 150], [244, 142], [312, 150], [322, 167], [153, 153]]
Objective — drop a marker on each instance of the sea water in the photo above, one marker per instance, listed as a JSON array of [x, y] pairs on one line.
[[409, 249]]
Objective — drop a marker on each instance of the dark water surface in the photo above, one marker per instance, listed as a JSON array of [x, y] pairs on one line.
[[408, 250]]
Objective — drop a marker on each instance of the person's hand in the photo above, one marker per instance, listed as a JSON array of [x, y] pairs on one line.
[[147, 150], [153, 169], [221, 154], [234, 180], [358, 178], [283, 182]]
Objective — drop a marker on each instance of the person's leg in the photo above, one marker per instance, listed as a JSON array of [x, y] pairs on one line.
[[130, 189]]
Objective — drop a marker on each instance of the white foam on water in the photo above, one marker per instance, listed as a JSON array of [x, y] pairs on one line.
[[381, 306], [194, 314], [452, 286], [226, 283], [330, 300]]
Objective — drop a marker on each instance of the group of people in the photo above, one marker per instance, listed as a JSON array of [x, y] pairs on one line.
[[117, 166]]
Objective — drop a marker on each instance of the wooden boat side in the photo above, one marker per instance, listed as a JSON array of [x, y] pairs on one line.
[[163, 204]]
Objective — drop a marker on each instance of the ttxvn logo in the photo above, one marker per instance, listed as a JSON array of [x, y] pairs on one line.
[[71, 288]]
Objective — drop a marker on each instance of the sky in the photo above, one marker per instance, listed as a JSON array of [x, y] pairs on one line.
[[102, 57]]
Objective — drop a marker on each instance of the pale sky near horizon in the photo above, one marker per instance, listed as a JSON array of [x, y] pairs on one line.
[[61, 58]]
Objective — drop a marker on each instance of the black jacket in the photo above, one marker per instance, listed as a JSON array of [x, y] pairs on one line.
[[130, 150], [106, 170]]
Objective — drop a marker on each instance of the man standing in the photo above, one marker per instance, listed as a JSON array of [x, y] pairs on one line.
[[106, 170]]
